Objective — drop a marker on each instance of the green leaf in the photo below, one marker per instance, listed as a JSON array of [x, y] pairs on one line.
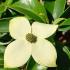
[[66, 22], [4, 25], [1, 62], [56, 21], [64, 28], [35, 10], [49, 5], [8, 2], [65, 25], [4, 43], [2, 49], [1, 68], [2, 34], [32, 65], [66, 50], [59, 8], [11, 69], [63, 61], [66, 12], [1, 59], [2, 8]]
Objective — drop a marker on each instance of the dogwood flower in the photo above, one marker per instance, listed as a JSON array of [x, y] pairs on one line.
[[30, 41]]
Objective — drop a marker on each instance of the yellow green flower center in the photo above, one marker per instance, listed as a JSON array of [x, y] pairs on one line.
[[31, 38]]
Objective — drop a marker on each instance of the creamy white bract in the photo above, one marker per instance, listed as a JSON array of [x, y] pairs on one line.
[[19, 51]]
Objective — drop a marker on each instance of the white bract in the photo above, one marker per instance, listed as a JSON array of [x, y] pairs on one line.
[[30, 41]]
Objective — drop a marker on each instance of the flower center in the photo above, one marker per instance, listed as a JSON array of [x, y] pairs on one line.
[[31, 38]]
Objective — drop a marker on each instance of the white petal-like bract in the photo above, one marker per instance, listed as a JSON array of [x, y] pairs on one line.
[[17, 54], [43, 30], [44, 53], [19, 27]]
